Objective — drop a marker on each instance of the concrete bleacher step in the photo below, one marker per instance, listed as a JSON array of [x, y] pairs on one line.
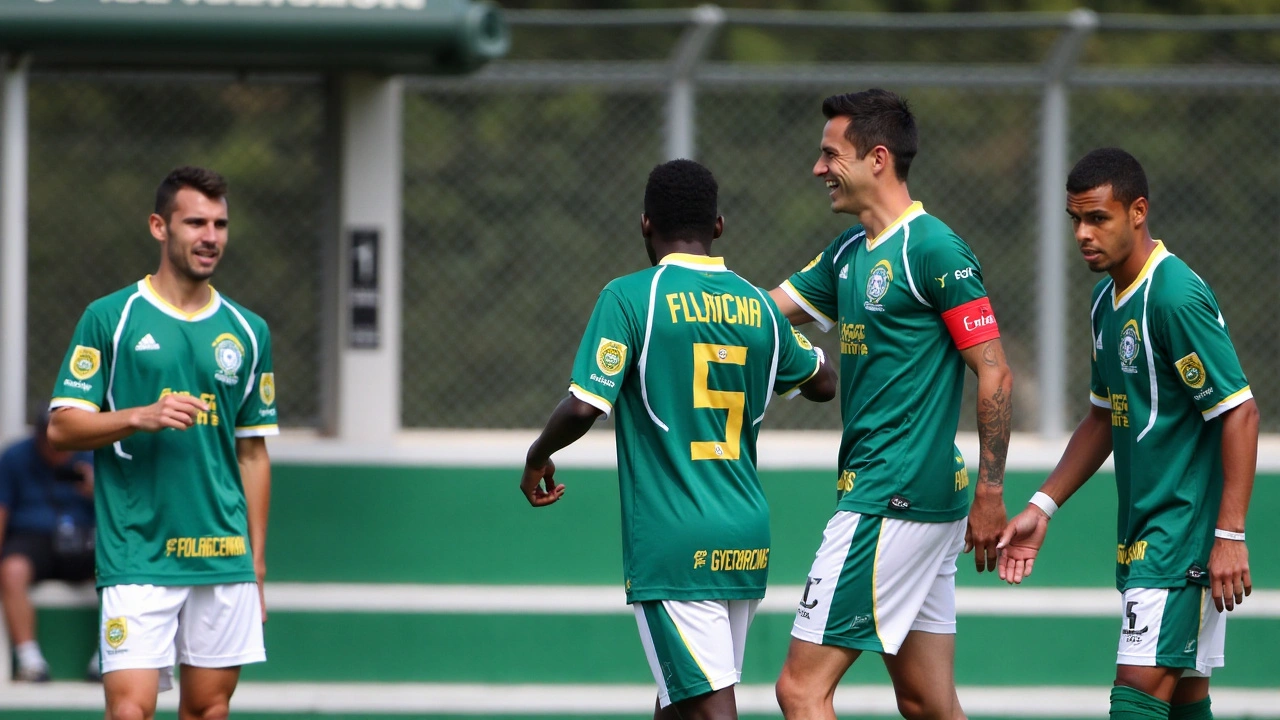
[[494, 634]]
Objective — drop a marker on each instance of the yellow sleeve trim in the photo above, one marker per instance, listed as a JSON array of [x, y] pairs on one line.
[[590, 398], [73, 402], [257, 430], [795, 390], [824, 322], [1098, 400], [1231, 401]]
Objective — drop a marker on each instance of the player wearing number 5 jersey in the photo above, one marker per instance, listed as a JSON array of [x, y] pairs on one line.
[[908, 297], [685, 355], [1170, 399]]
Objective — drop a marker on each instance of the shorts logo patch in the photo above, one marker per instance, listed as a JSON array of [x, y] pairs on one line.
[[859, 621], [1192, 371], [267, 388], [116, 633], [611, 356], [85, 362]]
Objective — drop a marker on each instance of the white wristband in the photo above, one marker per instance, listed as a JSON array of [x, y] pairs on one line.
[[1045, 503], [1228, 535]]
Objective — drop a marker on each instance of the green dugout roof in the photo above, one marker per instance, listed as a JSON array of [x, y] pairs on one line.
[[395, 36]]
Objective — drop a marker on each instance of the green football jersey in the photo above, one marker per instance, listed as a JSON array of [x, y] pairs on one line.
[[906, 303], [1163, 363], [170, 505], [686, 355]]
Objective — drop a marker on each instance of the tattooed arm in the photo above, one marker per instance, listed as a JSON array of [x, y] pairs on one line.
[[995, 422]]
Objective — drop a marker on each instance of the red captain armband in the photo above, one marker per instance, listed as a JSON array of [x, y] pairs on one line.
[[971, 323]]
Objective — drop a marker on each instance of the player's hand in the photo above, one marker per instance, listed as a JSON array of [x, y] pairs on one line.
[[1229, 573], [171, 411], [539, 485], [1020, 543], [986, 520]]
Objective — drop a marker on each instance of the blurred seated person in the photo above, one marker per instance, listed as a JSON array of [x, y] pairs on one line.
[[46, 532]]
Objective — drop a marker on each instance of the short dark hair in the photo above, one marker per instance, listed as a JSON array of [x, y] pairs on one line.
[[1110, 166], [877, 117], [207, 182], [680, 199]]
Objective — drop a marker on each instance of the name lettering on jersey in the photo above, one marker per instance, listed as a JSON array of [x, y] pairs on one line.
[[1119, 410], [85, 362], [229, 354], [1130, 343], [1129, 554], [852, 336], [204, 547], [726, 308], [845, 482], [736, 560], [77, 384], [202, 418], [699, 559], [1192, 371], [878, 285]]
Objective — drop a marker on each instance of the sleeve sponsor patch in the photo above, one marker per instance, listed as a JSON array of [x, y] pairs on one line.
[[801, 340], [611, 356], [267, 388], [1192, 371], [971, 323], [85, 362], [812, 263]]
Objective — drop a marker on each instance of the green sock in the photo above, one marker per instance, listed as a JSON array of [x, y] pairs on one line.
[[1192, 711], [1130, 704]]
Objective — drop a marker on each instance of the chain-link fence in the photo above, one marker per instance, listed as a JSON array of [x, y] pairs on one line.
[[100, 144], [523, 184]]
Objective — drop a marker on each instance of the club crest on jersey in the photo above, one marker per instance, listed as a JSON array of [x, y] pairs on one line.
[[611, 356], [85, 362], [1192, 371], [877, 285], [267, 388], [116, 632], [229, 354], [1130, 342]]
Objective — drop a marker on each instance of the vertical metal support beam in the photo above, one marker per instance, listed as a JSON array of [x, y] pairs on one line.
[[681, 96], [331, 257], [1052, 306], [368, 393], [13, 249]]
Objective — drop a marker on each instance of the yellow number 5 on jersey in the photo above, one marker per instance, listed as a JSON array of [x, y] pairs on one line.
[[704, 397]]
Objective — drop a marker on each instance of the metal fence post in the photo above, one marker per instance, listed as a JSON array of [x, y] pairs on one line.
[[681, 103], [1054, 135], [13, 249]]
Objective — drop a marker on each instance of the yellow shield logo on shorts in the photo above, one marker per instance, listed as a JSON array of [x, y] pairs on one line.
[[85, 362], [1191, 370], [117, 631]]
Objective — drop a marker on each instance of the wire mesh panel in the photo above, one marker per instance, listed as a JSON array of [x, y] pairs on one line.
[[1210, 159], [519, 207], [100, 144]]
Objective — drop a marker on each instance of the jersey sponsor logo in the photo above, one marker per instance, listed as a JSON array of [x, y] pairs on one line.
[[801, 340], [146, 343], [1192, 371], [116, 632], [852, 337], [209, 417], [267, 388], [699, 559], [205, 547], [1130, 343], [229, 354], [962, 476], [611, 356], [878, 285], [85, 362], [812, 263], [738, 560], [1129, 554], [1204, 393], [1119, 410], [77, 384], [964, 274], [603, 380], [845, 483]]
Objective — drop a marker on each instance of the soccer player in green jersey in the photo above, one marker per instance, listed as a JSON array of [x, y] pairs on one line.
[[170, 383], [686, 355], [908, 297], [1172, 403]]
